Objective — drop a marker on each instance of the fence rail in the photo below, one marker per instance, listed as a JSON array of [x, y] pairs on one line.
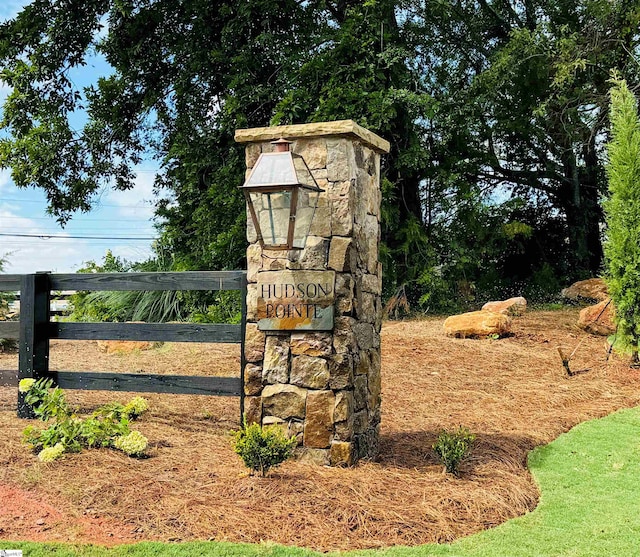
[[35, 330]]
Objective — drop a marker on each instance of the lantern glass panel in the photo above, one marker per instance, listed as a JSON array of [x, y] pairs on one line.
[[273, 210], [273, 168], [303, 174], [306, 206]]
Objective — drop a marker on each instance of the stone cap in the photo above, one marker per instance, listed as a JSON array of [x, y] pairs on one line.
[[319, 129]]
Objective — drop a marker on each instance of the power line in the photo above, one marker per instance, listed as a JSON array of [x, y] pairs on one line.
[[48, 236], [40, 231], [76, 220], [97, 206]]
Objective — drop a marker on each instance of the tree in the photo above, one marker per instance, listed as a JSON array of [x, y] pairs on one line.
[[522, 102], [622, 246], [495, 111]]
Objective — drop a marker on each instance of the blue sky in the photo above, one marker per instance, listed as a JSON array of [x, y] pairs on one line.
[[115, 214]]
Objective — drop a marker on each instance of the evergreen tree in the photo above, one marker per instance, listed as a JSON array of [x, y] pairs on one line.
[[622, 245]]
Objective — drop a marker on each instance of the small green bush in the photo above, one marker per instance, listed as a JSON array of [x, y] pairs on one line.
[[262, 448], [108, 426], [453, 447]]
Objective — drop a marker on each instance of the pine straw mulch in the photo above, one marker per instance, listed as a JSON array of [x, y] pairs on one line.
[[513, 393]]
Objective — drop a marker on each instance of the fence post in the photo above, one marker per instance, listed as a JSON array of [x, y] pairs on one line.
[[34, 336], [243, 331]]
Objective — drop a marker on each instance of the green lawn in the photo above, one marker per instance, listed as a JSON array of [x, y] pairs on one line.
[[590, 506]]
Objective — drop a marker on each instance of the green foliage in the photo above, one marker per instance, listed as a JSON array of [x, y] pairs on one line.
[[106, 427], [452, 447], [589, 508], [438, 79], [622, 245], [226, 308], [47, 403], [262, 448], [152, 306]]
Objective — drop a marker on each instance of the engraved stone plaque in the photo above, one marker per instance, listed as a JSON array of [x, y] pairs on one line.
[[296, 300]]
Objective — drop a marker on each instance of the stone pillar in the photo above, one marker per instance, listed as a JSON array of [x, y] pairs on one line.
[[322, 385]]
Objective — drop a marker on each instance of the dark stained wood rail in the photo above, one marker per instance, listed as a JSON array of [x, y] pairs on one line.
[[166, 332], [35, 330], [187, 280]]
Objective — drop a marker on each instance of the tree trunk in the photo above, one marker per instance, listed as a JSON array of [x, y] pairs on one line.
[[578, 198]]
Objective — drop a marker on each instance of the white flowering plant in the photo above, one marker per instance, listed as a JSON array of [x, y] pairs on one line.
[[134, 444], [51, 453], [108, 426]]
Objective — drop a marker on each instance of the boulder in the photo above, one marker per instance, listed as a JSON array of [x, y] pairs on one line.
[[590, 290], [124, 346], [598, 319], [476, 324], [513, 306]]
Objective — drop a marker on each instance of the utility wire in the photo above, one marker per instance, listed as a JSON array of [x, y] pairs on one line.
[[97, 205], [48, 236]]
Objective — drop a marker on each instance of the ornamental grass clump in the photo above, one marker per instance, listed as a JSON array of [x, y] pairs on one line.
[[262, 448], [453, 447], [108, 426]]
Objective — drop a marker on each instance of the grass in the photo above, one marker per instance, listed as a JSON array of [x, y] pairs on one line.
[[590, 506]]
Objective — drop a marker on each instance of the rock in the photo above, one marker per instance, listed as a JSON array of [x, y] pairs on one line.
[[318, 457], [512, 306], [310, 372], [343, 431], [313, 151], [344, 406], [125, 346], [360, 393], [315, 253], [344, 338], [311, 344], [341, 254], [341, 453], [275, 368], [594, 289], [598, 319], [341, 371], [252, 379], [253, 409], [338, 167], [318, 425], [284, 401], [254, 343], [254, 262], [341, 216], [477, 324]]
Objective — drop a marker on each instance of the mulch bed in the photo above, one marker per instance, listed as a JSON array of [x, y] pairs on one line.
[[512, 393]]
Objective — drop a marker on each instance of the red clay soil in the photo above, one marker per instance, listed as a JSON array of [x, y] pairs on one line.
[[512, 393], [24, 516]]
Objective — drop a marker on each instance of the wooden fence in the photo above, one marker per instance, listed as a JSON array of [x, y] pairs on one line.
[[35, 329]]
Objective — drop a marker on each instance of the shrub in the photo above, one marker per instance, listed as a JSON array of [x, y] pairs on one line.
[[622, 244], [453, 447], [262, 448], [133, 444], [51, 453], [108, 426]]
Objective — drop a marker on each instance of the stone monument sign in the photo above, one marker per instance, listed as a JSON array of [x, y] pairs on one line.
[[312, 341]]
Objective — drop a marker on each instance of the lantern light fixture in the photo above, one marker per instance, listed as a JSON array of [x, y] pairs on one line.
[[282, 196]]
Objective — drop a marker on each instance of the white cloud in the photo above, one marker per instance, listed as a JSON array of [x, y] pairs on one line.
[[28, 255], [138, 202]]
